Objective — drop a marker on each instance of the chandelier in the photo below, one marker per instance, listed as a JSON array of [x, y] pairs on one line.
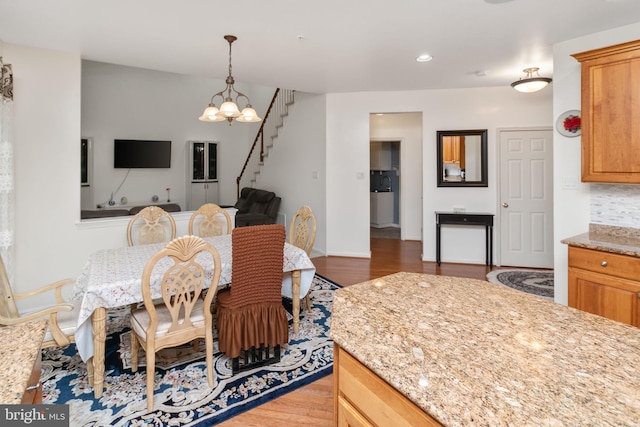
[[229, 109], [531, 83]]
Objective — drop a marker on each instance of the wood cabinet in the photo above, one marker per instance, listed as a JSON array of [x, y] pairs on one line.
[[605, 284], [361, 398], [611, 113], [380, 156], [453, 151]]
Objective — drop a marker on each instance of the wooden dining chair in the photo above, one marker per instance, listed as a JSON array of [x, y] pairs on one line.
[[210, 220], [151, 225], [181, 315], [302, 233], [251, 319], [62, 316]]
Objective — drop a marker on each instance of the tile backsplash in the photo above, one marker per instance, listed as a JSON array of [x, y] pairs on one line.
[[614, 204]]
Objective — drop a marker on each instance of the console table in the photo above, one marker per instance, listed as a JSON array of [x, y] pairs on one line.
[[467, 218]]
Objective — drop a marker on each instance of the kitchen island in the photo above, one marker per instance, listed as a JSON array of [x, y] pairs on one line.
[[467, 352]]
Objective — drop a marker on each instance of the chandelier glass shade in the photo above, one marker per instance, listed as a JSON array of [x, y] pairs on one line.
[[229, 97], [531, 83]]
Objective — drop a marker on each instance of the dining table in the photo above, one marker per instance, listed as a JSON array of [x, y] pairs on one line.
[[112, 278]]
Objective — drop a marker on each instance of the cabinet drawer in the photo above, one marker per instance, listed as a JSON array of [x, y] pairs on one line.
[[366, 399], [624, 266]]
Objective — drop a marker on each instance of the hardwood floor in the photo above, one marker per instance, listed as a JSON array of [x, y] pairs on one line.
[[312, 405]]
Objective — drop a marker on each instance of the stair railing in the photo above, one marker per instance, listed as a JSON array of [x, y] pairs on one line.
[[273, 120]]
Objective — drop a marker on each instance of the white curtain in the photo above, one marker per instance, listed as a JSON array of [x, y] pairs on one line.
[[6, 167]]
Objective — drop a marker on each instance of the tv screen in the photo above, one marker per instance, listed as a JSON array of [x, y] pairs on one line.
[[133, 153]]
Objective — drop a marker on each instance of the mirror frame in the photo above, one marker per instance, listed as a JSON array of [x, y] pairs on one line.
[[484, 181]]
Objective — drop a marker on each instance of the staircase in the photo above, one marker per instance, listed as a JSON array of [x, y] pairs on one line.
[[265, 138]]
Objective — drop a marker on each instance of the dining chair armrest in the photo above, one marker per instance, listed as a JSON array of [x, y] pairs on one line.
[[36, 315], [56, 285]]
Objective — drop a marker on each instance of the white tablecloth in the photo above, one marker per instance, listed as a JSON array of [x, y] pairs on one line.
[[112, 278]]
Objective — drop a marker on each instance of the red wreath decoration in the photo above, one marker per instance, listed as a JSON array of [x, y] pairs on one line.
[[572, 124]]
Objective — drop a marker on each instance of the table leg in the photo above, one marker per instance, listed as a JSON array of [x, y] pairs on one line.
[[438, 244], [295, 296], [90, 371], [99, 324], [486, 244], [491, 247]]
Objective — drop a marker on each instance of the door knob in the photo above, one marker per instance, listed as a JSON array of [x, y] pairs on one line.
[[505, 205]]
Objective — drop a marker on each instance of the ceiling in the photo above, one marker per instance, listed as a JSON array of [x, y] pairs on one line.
[[313, 46]]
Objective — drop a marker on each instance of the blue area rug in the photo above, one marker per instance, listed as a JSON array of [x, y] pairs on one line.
[[182, 395]]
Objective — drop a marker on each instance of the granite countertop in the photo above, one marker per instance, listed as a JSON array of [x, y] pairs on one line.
[[18, 354], [469, 352], [607, 238]]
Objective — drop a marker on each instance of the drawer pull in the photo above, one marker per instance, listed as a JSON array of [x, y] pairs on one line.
[[603, 263], [33, 387]]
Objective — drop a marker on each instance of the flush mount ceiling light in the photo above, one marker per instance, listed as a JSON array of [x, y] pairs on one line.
[[530, 83], [424, 58], [229, 109]]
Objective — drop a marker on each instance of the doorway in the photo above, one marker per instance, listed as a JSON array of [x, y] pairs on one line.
[[405, 130], [526, 197], [384, 189]]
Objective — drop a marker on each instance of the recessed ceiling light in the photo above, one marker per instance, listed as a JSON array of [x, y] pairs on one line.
[[424, 58]]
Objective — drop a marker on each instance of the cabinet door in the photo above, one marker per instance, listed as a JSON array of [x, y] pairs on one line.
[[212, 161], [380, 156], [611, 297], [610, 113], [198, 195], [211, 195], [453, 150], [348, 416], [448, 149], [198, 161], [203, 192], [204, 160], [461, 152]]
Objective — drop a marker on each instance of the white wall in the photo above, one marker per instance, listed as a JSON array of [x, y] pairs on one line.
[[348, 159], [134, 103], [295, 168], [571, 197], [406, 128], [46, 124]]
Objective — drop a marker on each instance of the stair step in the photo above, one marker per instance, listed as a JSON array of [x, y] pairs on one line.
[[278, 114]]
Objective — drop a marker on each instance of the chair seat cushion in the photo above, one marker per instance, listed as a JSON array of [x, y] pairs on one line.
[[67, 322], [242, 328], [140, 319]]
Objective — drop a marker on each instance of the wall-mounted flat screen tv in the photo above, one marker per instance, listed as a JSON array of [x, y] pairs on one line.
[[134, 153]]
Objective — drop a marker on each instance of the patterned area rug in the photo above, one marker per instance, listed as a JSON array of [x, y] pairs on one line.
[[182, 395], [535, 282]]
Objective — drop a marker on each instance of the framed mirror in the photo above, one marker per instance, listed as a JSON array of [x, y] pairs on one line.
[[462, 158]]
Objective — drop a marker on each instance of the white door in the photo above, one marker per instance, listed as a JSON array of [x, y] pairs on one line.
[[526, 198]]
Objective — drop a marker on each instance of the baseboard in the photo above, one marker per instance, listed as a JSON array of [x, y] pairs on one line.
[[350, 254]]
